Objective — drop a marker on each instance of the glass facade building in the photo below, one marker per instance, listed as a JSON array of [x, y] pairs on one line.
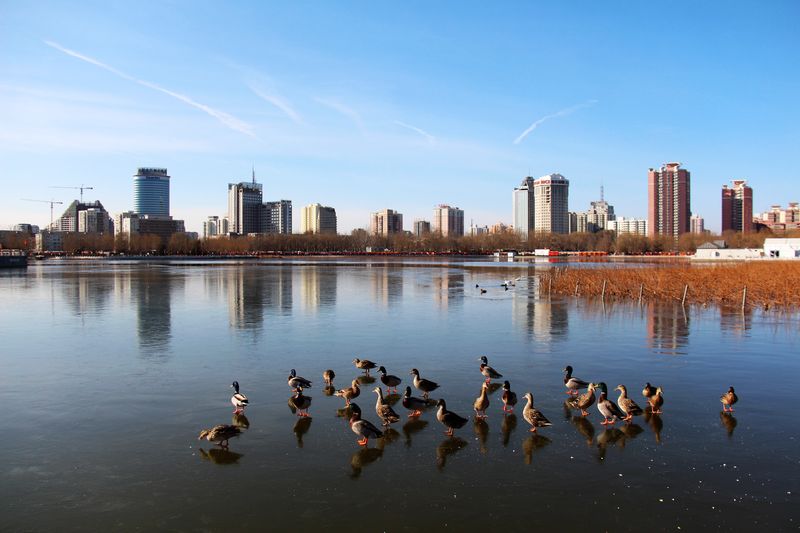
[[151, 192]]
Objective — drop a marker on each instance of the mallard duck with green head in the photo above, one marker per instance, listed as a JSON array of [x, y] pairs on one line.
[[607, 408]]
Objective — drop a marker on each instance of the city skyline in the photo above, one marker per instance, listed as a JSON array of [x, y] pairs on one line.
[[454, 109]]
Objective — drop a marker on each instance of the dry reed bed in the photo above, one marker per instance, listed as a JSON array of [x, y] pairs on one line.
[[769, 284]]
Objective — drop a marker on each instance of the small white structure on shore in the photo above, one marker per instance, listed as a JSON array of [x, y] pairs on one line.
[[782, 248]]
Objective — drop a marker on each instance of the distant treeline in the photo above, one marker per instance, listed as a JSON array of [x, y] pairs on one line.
[[360, 241]]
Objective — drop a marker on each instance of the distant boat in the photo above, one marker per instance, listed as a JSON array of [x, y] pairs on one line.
[[13, 259]]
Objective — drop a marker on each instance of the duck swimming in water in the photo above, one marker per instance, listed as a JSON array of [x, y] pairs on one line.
[[238, 399]]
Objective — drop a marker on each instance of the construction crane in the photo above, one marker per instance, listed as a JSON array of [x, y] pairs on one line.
[[51, 202], [82, 188]]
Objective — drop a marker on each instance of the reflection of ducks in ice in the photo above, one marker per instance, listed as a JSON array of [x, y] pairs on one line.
[[220, 434], [415, 425], [582, 424], [300, 402], [220, 456], [609, 437], [533, 443], [238, 399], [447, 448], [365, 380], [631, 431], [363, 457], [240, 421], [728, 421], [329, 390], [481, 429], [508, 426], [300, 428], [655, 422]]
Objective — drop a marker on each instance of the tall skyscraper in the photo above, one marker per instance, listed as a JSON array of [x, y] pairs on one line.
[[386, 222], [448, 221], [244, 207], [668, 200], [523, 207], [422, 227], [551, 199], [737, 207], [697, 224], [151, 192], [318, 219], [277, 217]]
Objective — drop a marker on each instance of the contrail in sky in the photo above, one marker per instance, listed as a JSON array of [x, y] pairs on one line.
[[228, 120], [562, 113], [431, 138], [339, 107], [278, 102]]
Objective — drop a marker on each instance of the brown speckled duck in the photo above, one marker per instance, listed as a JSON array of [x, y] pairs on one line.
[[364, 364], [728, 399], [350, 392], [220, 434], [482, 402], [656, 401], [384, 410], [509, 398], [328, 376], [627, 405], [449, 419], [583, 401], [533, 416]]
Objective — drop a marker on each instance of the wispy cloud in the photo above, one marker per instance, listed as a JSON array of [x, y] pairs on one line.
[[431, 139], [562, 113], [278, 102], [339, 107], [225, 118]]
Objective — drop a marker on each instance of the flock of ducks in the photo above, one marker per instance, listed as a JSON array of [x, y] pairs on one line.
[[623, 410]]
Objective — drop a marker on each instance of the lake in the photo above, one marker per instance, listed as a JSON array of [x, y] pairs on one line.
[[110, 369]]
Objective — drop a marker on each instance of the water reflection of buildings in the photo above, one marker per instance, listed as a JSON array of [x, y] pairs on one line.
[[387, 284], [667, 327], [151, 289], [736, 320], [87, 294], [318, 287], [448, 288], [252, 290], [544, 319]]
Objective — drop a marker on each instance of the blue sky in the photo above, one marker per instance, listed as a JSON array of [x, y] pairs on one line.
[[369, 105]]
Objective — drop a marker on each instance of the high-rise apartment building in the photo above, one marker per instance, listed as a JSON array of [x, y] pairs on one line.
[[697, 224], [523, 207], [448, 221], [551, 199], [151, 192], [277, 217], [211, 227], [596, 219], [75, 218], [386, 222], [422, 227], [737, 207], [668, 200], [318, 219], [245, 207]]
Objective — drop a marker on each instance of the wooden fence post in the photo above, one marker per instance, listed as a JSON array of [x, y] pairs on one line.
[[744, 297], [576, 287], [641, 289], [603, 293], [685, 290]]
